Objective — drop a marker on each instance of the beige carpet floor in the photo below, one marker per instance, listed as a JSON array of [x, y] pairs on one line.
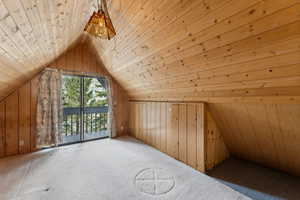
[[109, 169]]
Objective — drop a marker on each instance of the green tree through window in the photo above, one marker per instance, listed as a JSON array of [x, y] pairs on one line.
[[94, 93]]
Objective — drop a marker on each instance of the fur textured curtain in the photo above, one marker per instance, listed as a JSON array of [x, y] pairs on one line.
[[49, 109]]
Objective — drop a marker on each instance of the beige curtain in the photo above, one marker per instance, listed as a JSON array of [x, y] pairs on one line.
[[49, 109], [111, 111]]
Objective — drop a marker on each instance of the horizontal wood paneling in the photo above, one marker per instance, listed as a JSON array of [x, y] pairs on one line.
[[206, 51], [18, 111], [264, 133], [185, 131]]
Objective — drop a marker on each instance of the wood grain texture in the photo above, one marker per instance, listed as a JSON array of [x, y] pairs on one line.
[[2, 129], [34, 33], [11, 124], [24, 118], [187, 132], [192, 135], [216, 149], [182, 133], [202, 137], [265, 133], [173, 131], [212, 51], [21, 106]]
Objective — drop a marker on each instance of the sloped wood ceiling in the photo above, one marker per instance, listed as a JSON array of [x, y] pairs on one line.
[[210, 50], [34, 32], [242, 57]]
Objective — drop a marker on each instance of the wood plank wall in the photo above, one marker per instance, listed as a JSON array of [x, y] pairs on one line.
[[224, 53], [18, 110], [216, 148], [179, 130], [264, 133], [34, 33]]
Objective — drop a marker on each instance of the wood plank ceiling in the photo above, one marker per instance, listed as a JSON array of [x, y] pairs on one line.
[[34, 32], [207, 50], [224, 51], [165, 49]]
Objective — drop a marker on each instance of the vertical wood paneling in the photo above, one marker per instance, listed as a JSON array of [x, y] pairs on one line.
[[151, 115], [2, 129], [201, 137], [145, 123], [157, 125], [20, 121], [24, 118], [183, 132], [149, 123], [192, 135], [34, 96], [163, 126], [132, 119], [172, 133], [141, 121], [11, 124], [34, 33], [136, 123]]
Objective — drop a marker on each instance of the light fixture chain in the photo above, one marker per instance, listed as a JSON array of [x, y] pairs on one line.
[[99, 2]]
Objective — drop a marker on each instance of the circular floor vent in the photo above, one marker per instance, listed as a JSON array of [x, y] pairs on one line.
[[154, 181]]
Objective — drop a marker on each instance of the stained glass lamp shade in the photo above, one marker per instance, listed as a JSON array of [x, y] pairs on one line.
[[100, 24]]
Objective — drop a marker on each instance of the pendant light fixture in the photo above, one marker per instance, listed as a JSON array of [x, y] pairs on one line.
[[100, 24]]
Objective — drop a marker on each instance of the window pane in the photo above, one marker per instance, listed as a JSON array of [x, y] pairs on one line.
[[71, 91]]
